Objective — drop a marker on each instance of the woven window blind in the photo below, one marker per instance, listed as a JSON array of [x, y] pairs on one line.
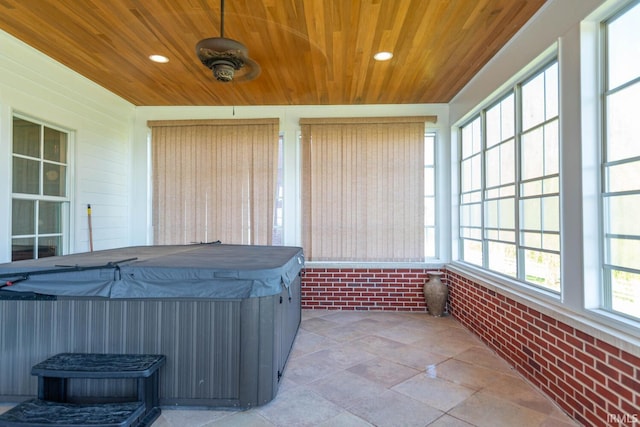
[[363, 189], [214, 180]]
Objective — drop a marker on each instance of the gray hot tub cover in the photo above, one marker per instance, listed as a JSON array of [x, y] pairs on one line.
[[172, 271]]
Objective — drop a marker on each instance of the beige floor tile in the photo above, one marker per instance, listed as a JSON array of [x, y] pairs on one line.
[[309, 342], [299, 408], [517, 390], [459, 334], [345, 419], [315, 324], [482, 356], [308, 368], [435, 392], [424, 330], [449, 421], [343, 333], [342, 316], [286, 384], [486, 410], [180, 417], [347, 389], [446, 346], [406, 334], [241, 419], [434, 324], [565, 421], [393, 409], [344, 356], [415, 357], [310, 314], [466, 374], [383, 371], [375, 321], [378, 345]]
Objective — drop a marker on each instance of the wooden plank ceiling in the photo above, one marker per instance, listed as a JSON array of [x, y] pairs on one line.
[[312, 52]]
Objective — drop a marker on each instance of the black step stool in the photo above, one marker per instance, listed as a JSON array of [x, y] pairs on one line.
[[42, 413], [53, 409]]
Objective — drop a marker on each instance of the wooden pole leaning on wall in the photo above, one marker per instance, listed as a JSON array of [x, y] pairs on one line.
[[90, 228]]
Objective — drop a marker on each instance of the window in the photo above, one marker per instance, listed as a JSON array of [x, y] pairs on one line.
[[509, 183], [40, 201], [621, 164], [471, 192], [539, 181], [368, 189], [430, 195], [278, 217], [500, 187]]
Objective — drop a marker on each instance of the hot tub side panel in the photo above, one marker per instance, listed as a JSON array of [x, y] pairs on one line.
[[200, 339], [206, 343], [291, 317], [268, 331]]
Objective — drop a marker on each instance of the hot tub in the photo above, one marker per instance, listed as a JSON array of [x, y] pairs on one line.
[[225, 316]]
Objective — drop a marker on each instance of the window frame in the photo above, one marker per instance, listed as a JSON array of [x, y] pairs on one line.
[[279, 203], [65, 201], [607, 266], [433, 197], [514, 88]]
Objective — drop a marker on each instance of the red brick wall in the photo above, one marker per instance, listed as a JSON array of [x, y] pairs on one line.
[[363, 289], [595, 382]]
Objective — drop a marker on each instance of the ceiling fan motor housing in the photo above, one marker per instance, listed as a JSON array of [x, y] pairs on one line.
[[224, 57], [223, 71]]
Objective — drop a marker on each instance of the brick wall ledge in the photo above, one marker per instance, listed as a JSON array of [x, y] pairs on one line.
[[429, 265], [621, 332]]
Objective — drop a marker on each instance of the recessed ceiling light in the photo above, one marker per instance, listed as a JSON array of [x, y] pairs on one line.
[[159, 58], [383, 56]]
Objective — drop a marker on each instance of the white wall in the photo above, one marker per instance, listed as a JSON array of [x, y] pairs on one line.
[[100, 156]]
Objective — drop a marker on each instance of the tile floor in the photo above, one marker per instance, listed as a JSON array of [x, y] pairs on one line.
[[388, 369]]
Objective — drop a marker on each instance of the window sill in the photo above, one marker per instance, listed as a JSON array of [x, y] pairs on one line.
[[427, 265]]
